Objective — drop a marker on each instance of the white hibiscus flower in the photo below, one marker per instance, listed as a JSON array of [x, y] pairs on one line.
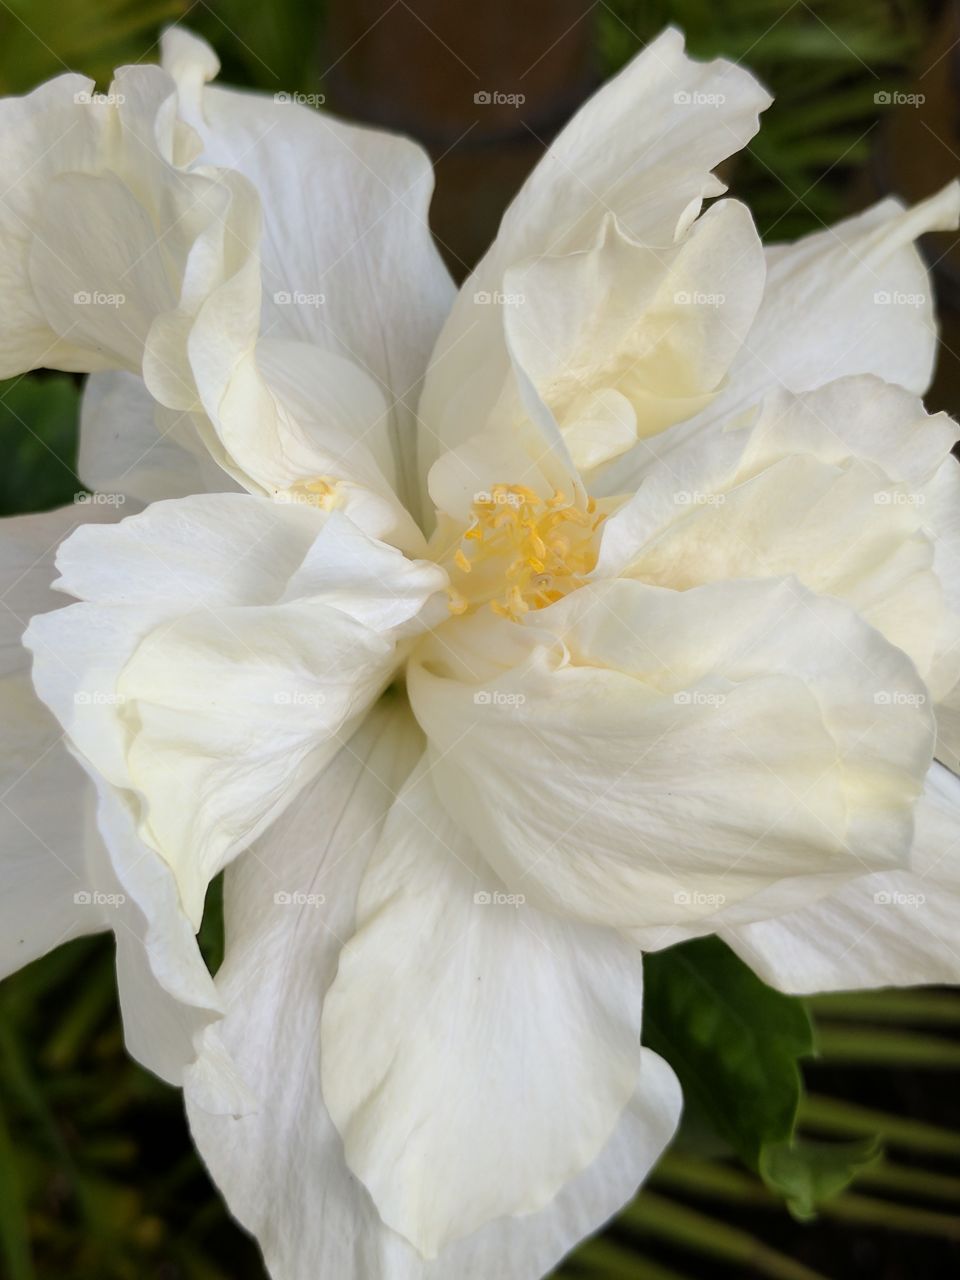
[[643, 625]]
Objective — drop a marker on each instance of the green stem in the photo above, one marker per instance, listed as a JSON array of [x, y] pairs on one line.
[[832, 1116], [912, 1182], [711, 1178], [896, 1217], [604, 1260], [929, 1007], [653, 1214], [881, 1048]]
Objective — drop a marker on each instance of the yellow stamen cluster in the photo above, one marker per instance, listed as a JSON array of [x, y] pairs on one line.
[[530, 551]]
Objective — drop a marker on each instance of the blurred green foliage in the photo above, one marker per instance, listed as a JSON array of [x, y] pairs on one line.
[[97, 1177]]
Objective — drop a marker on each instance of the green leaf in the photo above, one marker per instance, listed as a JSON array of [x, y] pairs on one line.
[[806, 1173], [38, 425], [734, 1042]]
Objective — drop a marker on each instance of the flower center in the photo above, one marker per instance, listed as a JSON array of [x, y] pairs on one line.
[[522, 552]]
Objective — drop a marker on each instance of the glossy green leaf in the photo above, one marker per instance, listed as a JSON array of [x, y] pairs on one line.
[[806, 1173], [734, 1042]]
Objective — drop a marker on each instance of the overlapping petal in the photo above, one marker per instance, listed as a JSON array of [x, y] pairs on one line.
[[839, 486], [623, 758], [290, 906], [453, 991], [855, 298], [894, 929], [222, 646], [348, 264], [641, 149], [421, 1058], [72, 864], [49, 845], [622, 339]]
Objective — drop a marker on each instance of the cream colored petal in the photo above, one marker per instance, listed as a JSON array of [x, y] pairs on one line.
[[658, 325], [889, 930], [461, 1024], [222, 647], [633, 768], [642, 148]]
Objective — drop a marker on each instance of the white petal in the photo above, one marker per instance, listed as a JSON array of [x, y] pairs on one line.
[[641, 148], [942, 512], [837, 486], [48, 852], [346, 425], [122, 253], [223, 646], [453, 992], [40, 135], [169, 1003], [45, 858], [281, 957], [103, 233], [660, 326], [62, 874], [345, 223], [659, 756], [897, 929], [129, 444], [855, 298]]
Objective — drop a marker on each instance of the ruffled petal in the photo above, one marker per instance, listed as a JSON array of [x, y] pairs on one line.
[[892, 930], [71, 864], [656, 327], [642, 148], [222, 647], [847, 487], [638, 756], [453, 991], [289, 906], [131, 445], [349, 266]]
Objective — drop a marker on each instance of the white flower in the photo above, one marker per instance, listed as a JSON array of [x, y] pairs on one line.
[[644, 625]]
